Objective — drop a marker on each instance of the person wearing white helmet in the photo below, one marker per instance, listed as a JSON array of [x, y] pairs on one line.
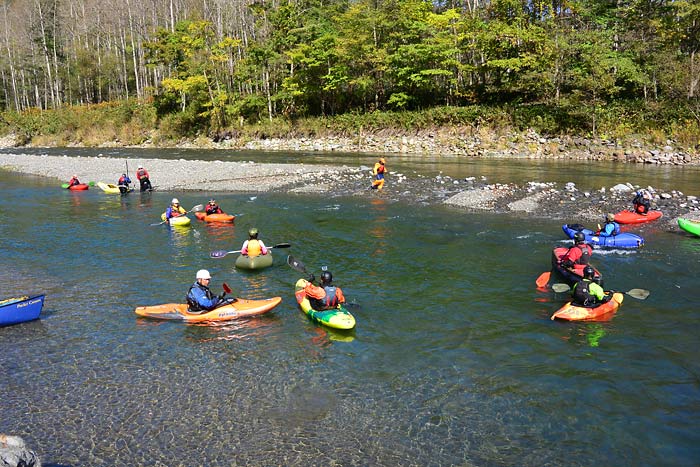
[[200, 298], [73, 181], [174, 210], [144, 179]]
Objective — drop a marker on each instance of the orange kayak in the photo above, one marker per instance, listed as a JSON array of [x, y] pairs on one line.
[[571, 312], [214, 217], [240, 308]]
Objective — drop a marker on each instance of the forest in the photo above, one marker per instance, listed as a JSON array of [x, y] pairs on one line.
[[204, 66]]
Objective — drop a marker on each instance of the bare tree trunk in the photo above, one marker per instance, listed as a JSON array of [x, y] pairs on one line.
[[10, 61], [45, 47]]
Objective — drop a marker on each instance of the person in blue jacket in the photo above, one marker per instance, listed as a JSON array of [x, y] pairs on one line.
[[200, 298], [123, 183], [610, 228]]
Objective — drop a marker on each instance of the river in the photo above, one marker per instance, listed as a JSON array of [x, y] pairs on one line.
[[454, 360]]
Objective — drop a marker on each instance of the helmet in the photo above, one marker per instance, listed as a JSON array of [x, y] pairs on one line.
[[140, 167], [610, 217], [588, 272], [579, 237], [326, 277], [382, 160], [253, 232], [203, 274], [212, 201], [175, 201], [123, 175]]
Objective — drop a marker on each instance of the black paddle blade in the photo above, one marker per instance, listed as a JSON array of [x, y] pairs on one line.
[[296, 264], [282, 245], [218, 253]]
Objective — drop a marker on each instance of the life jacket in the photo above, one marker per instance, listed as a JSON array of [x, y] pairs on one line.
[[215, 209], [141, 174], [328, 302], [617, 227], [192, 304], [254, 248], [582, 295], [381, 169]]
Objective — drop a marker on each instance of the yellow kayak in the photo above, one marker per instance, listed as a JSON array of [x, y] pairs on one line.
[[180, 221]]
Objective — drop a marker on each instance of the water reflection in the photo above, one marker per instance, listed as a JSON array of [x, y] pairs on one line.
[[235, 330], [378, 227]]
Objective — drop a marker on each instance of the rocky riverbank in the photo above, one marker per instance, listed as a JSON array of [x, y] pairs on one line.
[[564, 202]]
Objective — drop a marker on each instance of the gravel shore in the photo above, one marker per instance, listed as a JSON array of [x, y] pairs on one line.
[[547, 200]]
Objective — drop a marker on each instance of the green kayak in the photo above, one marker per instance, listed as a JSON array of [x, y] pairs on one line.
[[689, 226], [254, 262], [338, 318]]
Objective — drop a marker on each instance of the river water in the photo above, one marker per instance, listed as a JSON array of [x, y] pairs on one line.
[[454, 360]]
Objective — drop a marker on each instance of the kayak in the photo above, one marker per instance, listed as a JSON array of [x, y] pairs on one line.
[[690, 226], [571, 276], [240, 308], [214, 217], [180, 221], [337, 318], [110, 188], [571, 312], [631, 217], [621, 240], [254, 262], [79, 187], [20, 309]]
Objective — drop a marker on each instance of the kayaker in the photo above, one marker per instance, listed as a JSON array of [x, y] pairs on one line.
[[175, 210], [73, 181], [325, 297], [144, 179], [200, 298], [378, 172], [213, 208], [123, 183], [586, 292], [253, 246], [610, 228], [580, 253], [642, 201]]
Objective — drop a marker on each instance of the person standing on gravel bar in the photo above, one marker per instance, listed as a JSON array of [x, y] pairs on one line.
[[144, 179], [123, 183], [378, 172]]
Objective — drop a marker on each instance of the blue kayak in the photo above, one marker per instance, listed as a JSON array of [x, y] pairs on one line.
[[20, 309], [621, 240]]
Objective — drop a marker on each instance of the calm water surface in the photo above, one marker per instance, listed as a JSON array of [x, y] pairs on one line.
[[454, 360]]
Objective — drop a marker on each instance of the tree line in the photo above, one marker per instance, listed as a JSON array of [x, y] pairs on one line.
[[212, 64]]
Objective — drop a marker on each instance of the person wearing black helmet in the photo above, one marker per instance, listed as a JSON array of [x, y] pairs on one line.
[[123, 184], [580, 253], [325, 296], [586, 292]]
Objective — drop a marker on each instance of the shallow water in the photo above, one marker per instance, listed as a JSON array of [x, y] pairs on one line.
[[454, 360]]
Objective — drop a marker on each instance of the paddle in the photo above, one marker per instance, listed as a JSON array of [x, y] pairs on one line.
[[196, 208], [299, 267], [639, 294], [222, 253], [543, 279]]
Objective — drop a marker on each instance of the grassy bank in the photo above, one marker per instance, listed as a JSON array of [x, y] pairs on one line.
[[131, 123]]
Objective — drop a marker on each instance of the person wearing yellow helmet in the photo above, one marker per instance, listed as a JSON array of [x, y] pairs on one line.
[[378, 173], [253, 247]]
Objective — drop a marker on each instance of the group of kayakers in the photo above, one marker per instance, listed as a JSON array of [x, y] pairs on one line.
[[586, 291], [124, 181]]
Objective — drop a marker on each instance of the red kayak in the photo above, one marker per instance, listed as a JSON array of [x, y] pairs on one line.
[[80, 187], [631, 217], [223, 217]]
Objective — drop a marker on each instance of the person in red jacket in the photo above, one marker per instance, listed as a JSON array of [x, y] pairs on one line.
[[144, 179], [73, 181], [580, 253], [213, 208]]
